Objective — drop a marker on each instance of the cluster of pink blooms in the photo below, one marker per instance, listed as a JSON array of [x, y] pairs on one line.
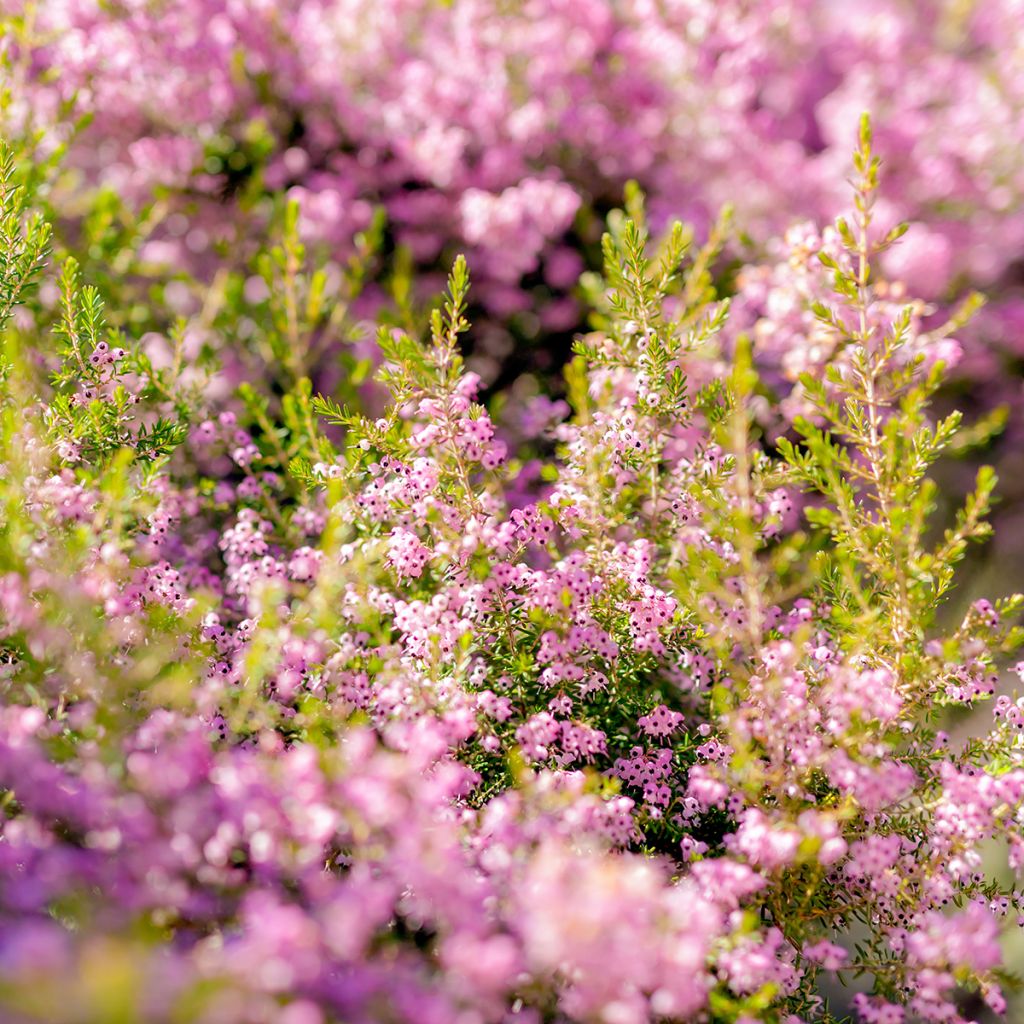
[[496, 127], [426, 714], [415, 745]]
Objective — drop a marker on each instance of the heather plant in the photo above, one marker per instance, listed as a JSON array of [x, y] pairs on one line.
[[322, 706]]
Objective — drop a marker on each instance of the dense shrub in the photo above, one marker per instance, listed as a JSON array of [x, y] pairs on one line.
[[328, 707]]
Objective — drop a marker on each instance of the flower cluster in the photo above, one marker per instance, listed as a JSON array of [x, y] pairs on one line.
[[338, 707], [501, 129]]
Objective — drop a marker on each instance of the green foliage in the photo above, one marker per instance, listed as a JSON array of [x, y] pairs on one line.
[[24, 240]]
